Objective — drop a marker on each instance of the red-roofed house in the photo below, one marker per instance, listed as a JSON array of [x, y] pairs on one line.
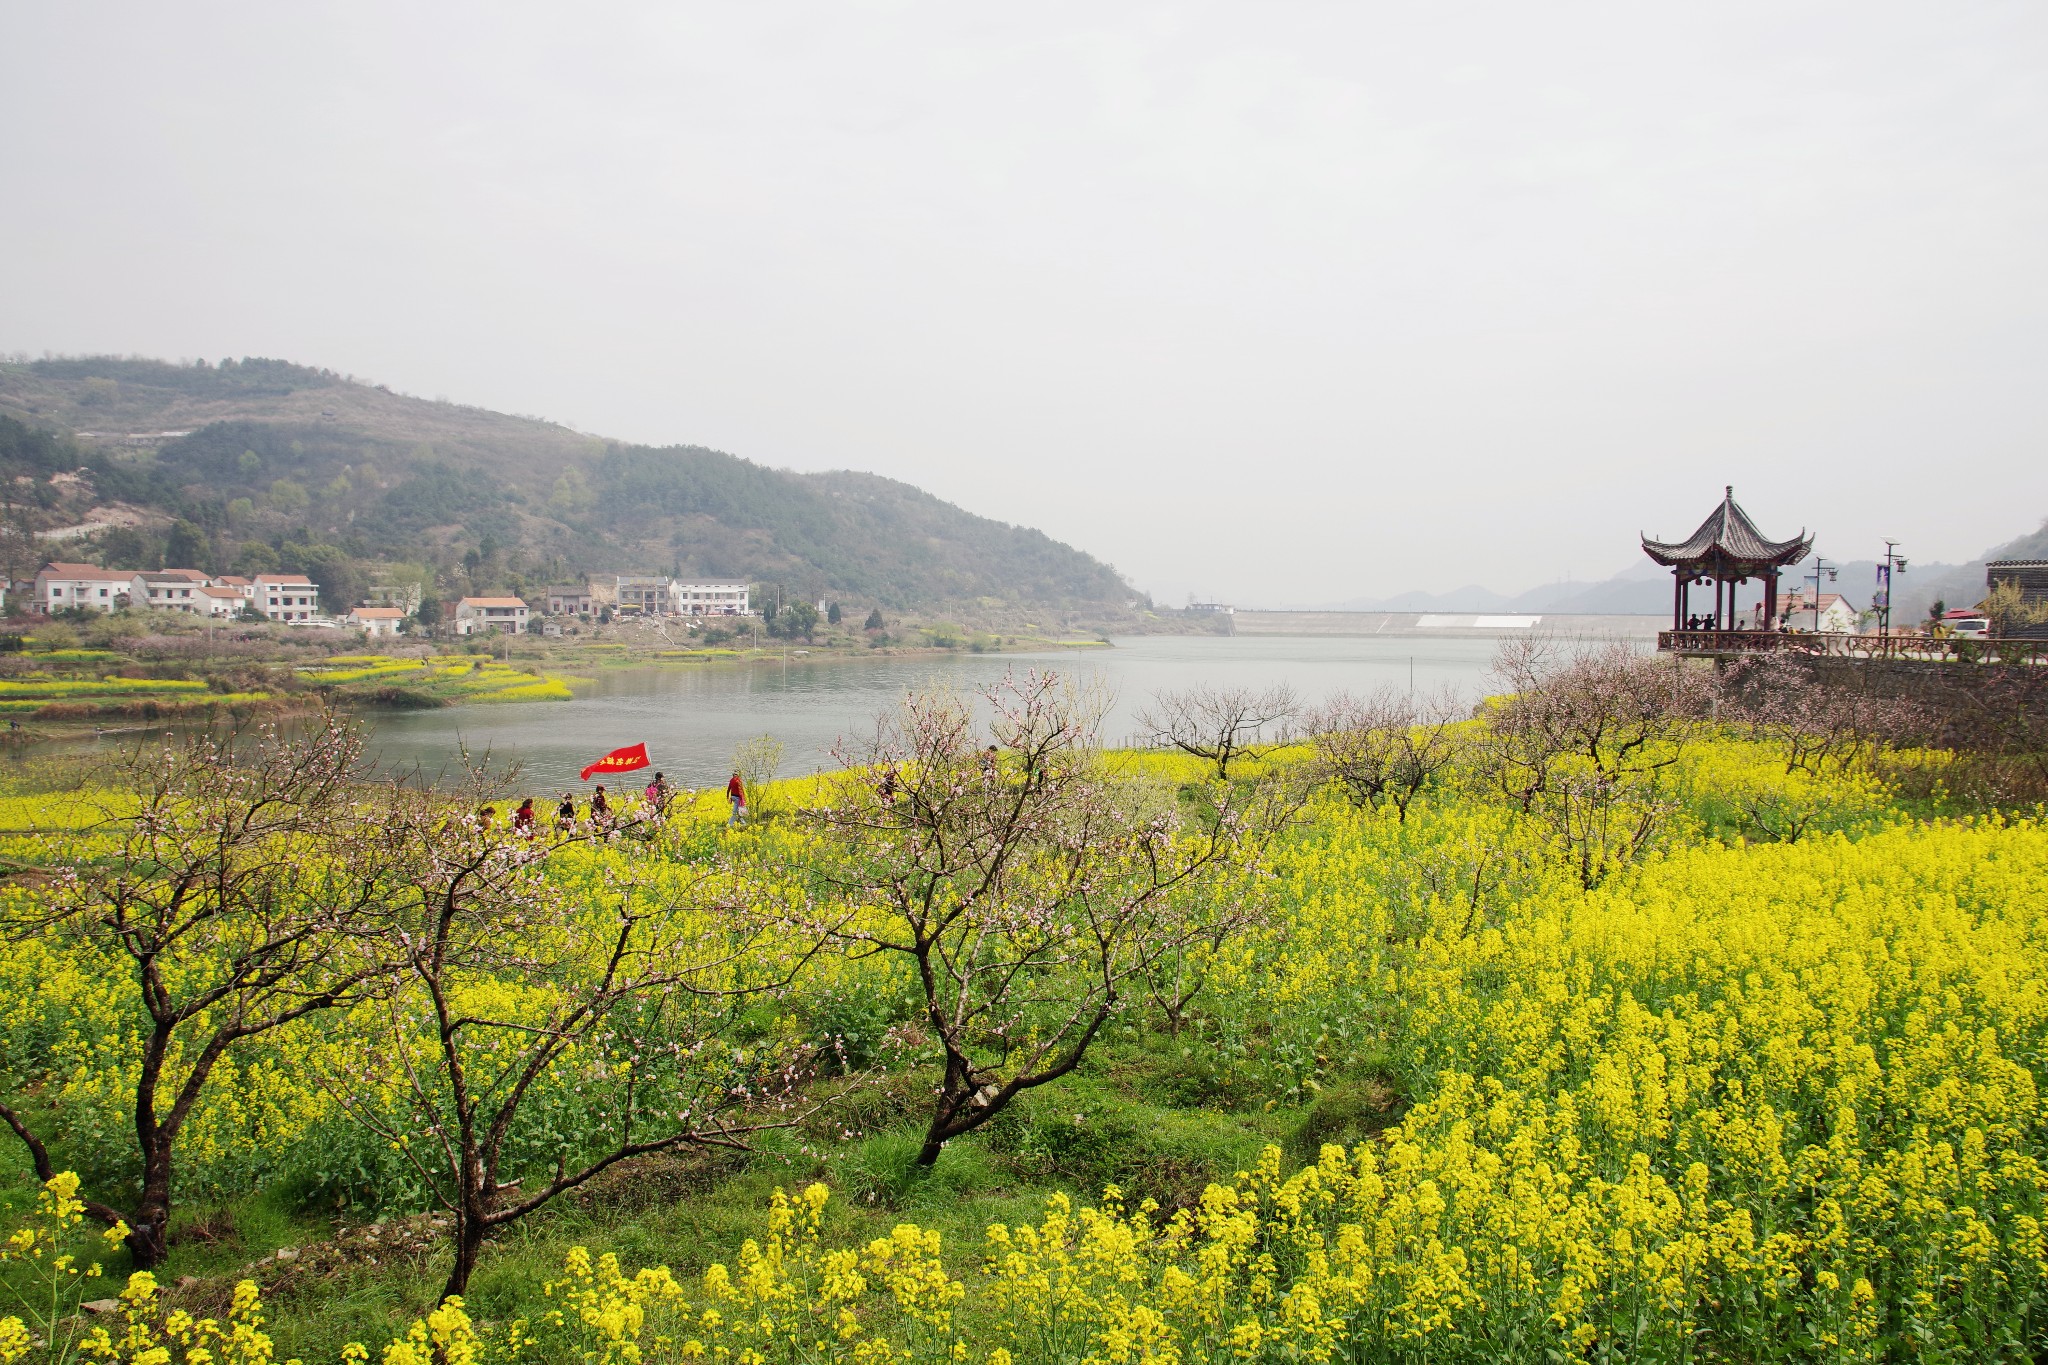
[[1835, 617], [476, 614], [377, 621], [60, 586], [218, 601]]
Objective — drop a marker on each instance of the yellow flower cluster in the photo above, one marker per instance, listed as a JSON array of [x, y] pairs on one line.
[[148, 1335], [785, 1299]]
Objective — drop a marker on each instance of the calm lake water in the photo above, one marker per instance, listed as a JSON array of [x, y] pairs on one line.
[[692, 716]]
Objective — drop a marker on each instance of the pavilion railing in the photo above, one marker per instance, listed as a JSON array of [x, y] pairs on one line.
[[1915, 647]]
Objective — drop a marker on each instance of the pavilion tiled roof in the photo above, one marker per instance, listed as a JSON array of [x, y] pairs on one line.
[[1728, 536]]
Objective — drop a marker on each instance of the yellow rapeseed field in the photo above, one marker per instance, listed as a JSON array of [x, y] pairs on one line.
[[1748, 1097]]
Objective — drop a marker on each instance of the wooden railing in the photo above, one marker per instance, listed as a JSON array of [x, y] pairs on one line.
[[1951, 648]]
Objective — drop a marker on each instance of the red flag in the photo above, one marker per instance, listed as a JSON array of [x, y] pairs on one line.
[[619, 761]]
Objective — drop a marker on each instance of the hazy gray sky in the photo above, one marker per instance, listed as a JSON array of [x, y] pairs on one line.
[[1278, 303]]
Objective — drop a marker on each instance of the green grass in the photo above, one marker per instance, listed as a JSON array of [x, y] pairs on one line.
[[687, 1210]]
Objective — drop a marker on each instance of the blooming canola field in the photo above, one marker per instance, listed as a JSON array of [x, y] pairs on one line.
[[1766, 1087]]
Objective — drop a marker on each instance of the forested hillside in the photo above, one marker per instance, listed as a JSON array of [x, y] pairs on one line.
[[256, 465]]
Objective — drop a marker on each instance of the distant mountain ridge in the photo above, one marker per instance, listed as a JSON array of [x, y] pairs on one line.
[[261, 460], [1645, 589]]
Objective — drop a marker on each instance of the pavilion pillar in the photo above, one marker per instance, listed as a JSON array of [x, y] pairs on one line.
[[1771, 601], [1677, 601], [1720, 596]]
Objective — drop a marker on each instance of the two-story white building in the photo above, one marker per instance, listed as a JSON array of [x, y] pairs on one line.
[[285, 596], [170, 590], [60, 586], [474, 615], [709, 599]]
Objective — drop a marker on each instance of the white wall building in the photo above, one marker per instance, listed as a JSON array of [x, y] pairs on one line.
[[170, 590], [221, 604], [709, 599], [60, 586], [1837, 617], [285, 596], [377, 622], [474, 615]]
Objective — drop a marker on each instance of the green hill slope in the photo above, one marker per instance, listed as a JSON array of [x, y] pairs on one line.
[[262, 464]]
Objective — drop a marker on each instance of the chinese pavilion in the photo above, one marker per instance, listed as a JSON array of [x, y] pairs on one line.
[[1729, 550]]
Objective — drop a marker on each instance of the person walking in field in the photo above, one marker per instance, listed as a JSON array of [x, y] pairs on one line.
[[736, 797], [600, 811], [657, 796], [522, 819], [565, 814]]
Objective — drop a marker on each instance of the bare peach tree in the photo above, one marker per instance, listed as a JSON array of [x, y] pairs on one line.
[[1580, 741], [1821, 720], [1219, 724], [1029, 889], [1385, 748], [547, 1023], [220, 887]]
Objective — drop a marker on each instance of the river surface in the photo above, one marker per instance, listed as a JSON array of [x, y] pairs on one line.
[[691, 716]]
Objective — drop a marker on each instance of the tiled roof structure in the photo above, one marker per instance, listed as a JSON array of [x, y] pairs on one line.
[[1728, 538]]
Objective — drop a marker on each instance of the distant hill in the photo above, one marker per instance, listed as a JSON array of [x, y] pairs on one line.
[[1645, 589], [1633, 591], [264, 464]]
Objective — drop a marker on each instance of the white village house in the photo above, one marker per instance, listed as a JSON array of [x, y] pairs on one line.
[[709, 599], [170, 590], [474, 615], [1837, 617], [285, 596], [377, 622], [60, 587], [219, 602], [279, 596]]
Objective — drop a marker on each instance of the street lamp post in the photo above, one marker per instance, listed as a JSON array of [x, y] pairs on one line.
[[1894, 563], [1820, 567]]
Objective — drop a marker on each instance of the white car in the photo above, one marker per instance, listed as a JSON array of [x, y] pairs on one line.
[[1967, 625]]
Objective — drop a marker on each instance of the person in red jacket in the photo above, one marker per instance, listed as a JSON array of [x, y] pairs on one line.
[[736, 797], [522, 819]]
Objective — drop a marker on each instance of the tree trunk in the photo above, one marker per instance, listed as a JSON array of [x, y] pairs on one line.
[[469, 1244], [149, 1230], [928, 1154]]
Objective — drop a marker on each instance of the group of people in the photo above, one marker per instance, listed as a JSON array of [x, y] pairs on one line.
[[603, 817]]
